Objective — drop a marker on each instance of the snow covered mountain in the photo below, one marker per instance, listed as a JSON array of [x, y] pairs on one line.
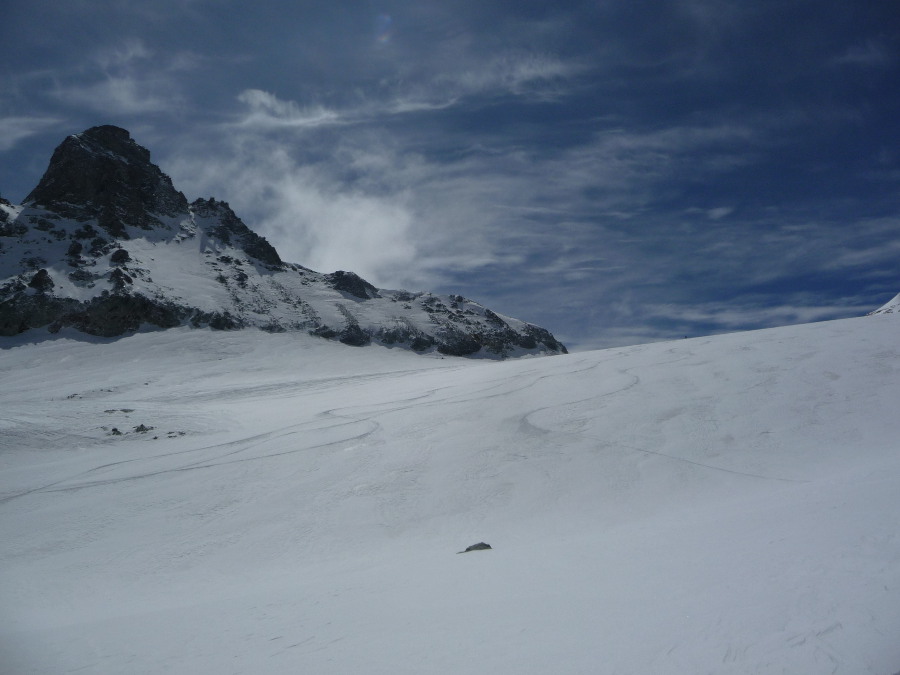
[[890, 307], [205, 502], [106, 244]]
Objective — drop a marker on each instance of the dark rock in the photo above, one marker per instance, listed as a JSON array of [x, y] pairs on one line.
[[86, 232], [99, 246], [537, 335], [12, 228], [455, 342], [41, 281], [119, 257], [324, 331], [405, 333], [108, 315], [112, 315], [231, 230], [421, 343], [21, 312], [34, 262], [119, 279], [82, 277], [351, 283], [103, 174], [354, 336], [224, 321], [480, 546]]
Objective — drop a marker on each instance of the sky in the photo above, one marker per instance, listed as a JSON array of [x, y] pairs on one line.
[[618, 171]]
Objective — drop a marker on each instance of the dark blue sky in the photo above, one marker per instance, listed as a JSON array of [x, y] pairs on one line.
[[617, 172]]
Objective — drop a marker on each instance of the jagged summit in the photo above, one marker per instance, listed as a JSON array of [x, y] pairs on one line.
[[107, 245], [231, 229], [103, 174]]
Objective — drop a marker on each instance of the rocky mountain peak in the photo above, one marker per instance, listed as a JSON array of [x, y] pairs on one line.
[[231, 230], [102, 173], [106, 245]]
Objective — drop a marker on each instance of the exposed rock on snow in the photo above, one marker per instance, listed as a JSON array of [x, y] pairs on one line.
[[352, 284], [480, 546], [107, 245]]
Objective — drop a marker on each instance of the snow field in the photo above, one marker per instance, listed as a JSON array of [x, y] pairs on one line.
[[722, 505]]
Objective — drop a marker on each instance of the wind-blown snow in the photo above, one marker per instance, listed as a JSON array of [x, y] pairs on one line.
[[718, 505]]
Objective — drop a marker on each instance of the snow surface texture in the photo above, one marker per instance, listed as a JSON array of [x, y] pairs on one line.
[[274, 503]]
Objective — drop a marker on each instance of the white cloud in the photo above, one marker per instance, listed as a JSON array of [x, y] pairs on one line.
[[15, 129], [267, 110], [879, 247], [719, 212], [479, 223], [869, 55], [520, 74], [311, 220], [403, 220], [515, 73], [727, 316], [403, 105], [122, 55], [121, 95], [454, 81], [128, 78]]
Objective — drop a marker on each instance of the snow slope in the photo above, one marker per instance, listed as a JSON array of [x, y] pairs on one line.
[[715, 505], [893, 305]]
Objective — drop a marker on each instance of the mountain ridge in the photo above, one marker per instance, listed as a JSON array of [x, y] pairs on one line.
[[106, 244]]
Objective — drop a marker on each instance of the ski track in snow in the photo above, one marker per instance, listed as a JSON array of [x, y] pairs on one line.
[[723, 505], [224, 453]]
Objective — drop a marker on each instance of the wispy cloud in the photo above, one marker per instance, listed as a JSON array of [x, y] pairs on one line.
[[722, 316], [871, 54], [120, 95], [265, 110], [518, 74], [15, 129], [868, 245], [313, 221], [367, 201], [128, 78], [122, 55]]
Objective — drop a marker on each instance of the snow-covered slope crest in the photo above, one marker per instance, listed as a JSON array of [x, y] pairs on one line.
[[206, 502], [890, 307], [107, 245]]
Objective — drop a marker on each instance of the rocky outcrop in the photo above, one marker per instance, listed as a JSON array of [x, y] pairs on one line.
[[105, 244], [231, 229], [348, 282], [102, 174], [107, 315], [480, 546]]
